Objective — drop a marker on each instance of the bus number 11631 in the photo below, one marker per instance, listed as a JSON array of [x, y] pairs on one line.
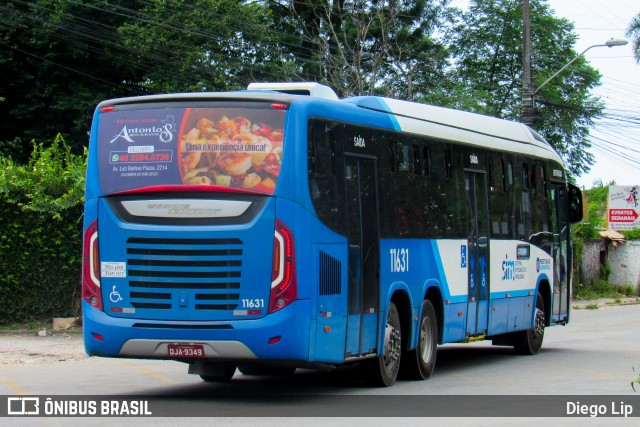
[[399, 260]]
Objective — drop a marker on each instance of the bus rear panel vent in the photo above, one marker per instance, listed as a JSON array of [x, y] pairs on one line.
[[330, 274]]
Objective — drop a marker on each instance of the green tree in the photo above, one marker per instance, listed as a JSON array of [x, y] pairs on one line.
[[486, 43], [60, 58], [633, 32], [365, 48], [57, 60], [201, 45]]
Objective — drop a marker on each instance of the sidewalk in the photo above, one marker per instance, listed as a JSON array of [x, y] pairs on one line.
[[594, 304]]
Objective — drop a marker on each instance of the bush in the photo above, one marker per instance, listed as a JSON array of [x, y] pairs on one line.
[[41, 240], [626, 290], [631, 234], [41, 262], [51, 182]]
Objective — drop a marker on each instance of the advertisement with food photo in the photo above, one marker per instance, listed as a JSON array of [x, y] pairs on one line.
[[223, 149], [239, 148]]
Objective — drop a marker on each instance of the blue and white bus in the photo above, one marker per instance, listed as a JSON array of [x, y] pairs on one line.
[[281, 227]]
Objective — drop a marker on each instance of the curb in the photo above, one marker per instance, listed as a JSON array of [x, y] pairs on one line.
[[603, 303], [42, 333]]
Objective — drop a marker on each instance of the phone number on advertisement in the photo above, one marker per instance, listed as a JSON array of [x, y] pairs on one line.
[[140, 157]]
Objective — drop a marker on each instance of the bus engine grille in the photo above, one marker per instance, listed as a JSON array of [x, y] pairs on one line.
[[330, 274], [166, 273]]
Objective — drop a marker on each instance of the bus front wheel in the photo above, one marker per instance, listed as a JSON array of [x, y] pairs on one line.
[[383, 370]]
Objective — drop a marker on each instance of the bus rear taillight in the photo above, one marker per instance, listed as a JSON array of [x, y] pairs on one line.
[[283, 278], [91, 268]]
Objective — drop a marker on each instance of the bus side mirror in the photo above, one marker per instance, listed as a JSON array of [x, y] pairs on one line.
[[575, 204]]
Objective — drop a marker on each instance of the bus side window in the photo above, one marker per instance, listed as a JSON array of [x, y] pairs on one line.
[[534, 183], [313, 151], [417, 161], [448, 167], [503, 176], [404, 157], [323, 180], [393, 162], [490, 176], [426, 161], [525, 176]]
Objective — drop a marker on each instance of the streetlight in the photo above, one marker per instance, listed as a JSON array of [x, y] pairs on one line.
[[527, 106], [608, 43]]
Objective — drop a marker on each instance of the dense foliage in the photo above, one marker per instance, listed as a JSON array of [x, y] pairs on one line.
[[40, 264], [41, 236], [365, 48], [633, 32], [51, 182]]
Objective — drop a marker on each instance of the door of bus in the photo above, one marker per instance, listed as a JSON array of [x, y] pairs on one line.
[[362, 227], [562, 268], [478, 256]]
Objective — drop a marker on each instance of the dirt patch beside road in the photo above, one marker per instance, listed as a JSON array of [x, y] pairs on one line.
[[27, 348]]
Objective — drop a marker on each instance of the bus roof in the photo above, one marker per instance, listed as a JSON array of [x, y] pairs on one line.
[[446, 123], [462, 126], [412, 117], [201, 96]]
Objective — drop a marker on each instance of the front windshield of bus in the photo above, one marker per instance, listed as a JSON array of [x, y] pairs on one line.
[[224, 145]]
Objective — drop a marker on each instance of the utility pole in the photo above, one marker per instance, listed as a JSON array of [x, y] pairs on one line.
[[527, 89]]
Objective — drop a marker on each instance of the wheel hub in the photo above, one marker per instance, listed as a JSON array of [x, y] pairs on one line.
[[539, 323], [425, 339], [391, 345]]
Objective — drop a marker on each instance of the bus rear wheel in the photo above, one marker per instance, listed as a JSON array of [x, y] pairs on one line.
[[530, 341], [383, 370], [222, 374], [418, 364]]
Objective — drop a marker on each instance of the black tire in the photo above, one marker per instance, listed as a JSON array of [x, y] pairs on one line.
[[276, 371], [418, 364], [530, 341], [383, 370], [226, 375]]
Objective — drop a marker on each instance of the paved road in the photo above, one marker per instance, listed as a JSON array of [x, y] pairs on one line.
[[596, 354]]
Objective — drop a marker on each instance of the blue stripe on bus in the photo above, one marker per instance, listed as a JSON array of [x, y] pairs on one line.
[[375, 104]]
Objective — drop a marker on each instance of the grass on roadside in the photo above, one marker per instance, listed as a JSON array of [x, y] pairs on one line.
[[31, 325], [602, 289]]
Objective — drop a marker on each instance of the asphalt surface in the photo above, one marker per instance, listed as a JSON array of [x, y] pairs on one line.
[[21, 346]]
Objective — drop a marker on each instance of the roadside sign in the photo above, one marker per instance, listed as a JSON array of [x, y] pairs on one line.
[[624, 207]]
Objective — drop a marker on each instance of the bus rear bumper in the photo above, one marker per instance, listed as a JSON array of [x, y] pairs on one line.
[[283, 335], [159, 348]]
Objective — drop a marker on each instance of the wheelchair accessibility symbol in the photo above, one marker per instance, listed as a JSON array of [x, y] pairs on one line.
[[115, 296]]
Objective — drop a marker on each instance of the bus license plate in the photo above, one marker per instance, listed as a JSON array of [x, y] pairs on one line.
[[186, 350]]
